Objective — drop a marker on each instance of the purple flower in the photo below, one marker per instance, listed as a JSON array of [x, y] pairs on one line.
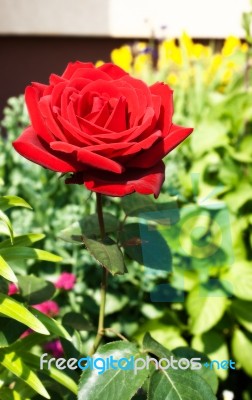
[[55, 348]]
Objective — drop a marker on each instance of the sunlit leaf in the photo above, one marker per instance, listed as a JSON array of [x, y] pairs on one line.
[[7, 202], [120, 383], [13, 309], [16, 365], [6, 271]]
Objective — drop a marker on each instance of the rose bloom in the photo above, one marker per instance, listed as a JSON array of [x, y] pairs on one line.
[[110, 130], [65, 281]]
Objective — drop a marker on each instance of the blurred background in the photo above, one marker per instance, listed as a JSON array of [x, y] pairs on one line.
[[202, 49]]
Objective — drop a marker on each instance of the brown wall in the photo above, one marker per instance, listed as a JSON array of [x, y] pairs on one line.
[[27, 59], [33, 58]]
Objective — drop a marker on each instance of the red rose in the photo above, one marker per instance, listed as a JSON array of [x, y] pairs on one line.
[[109, 129]]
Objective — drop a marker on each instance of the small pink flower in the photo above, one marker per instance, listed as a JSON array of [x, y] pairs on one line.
[[48, 307], [65, 281], [55, 348], [26, 333], [13, 289]]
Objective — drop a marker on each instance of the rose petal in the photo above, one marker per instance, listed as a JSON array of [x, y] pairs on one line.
[[91, 129], [166, 110], [112, 70], [31, 99], [77, 134], [55, 79], [73, 66], [112, 150], [45, 109], [102, 116], [91, 74], [148, 158], [98, 161], [131, 95], [117, 121], [31, 148], [57, 93], [145, 182]]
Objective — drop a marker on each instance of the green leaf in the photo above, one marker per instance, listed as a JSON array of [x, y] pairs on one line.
[[6, 271], [146, 245], [89, 226], [53, 326], [242, 349], [214, 133], [77, 321], [7, 224], [11, 308], [16, 365], [206, 373], [173, 384], [205, 307], [23, 240], [72, 348], [35, 290], [27, 342], [34, 362], [244, 155], [238, 197], [107, 253], [7, 202], [17, 253], [242, 310], [11, 394], [137, 205], [152, 346], [114, 383], [163, 331], [238, 279], [214, 345], [10, 331]]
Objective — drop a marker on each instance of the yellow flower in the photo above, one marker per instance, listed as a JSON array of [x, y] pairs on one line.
[[122, 57], [168, 52], [226, 77], [200, 51], [215, 64], [141, 62], [187, 43], [231, 44], [232, 65], [172, 79], [99, 63], [244, 47]]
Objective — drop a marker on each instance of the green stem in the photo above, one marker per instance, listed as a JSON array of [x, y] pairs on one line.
[[100, 214], [100, 329]]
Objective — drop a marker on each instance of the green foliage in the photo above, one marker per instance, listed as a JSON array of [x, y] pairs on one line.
[[15, 317]]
